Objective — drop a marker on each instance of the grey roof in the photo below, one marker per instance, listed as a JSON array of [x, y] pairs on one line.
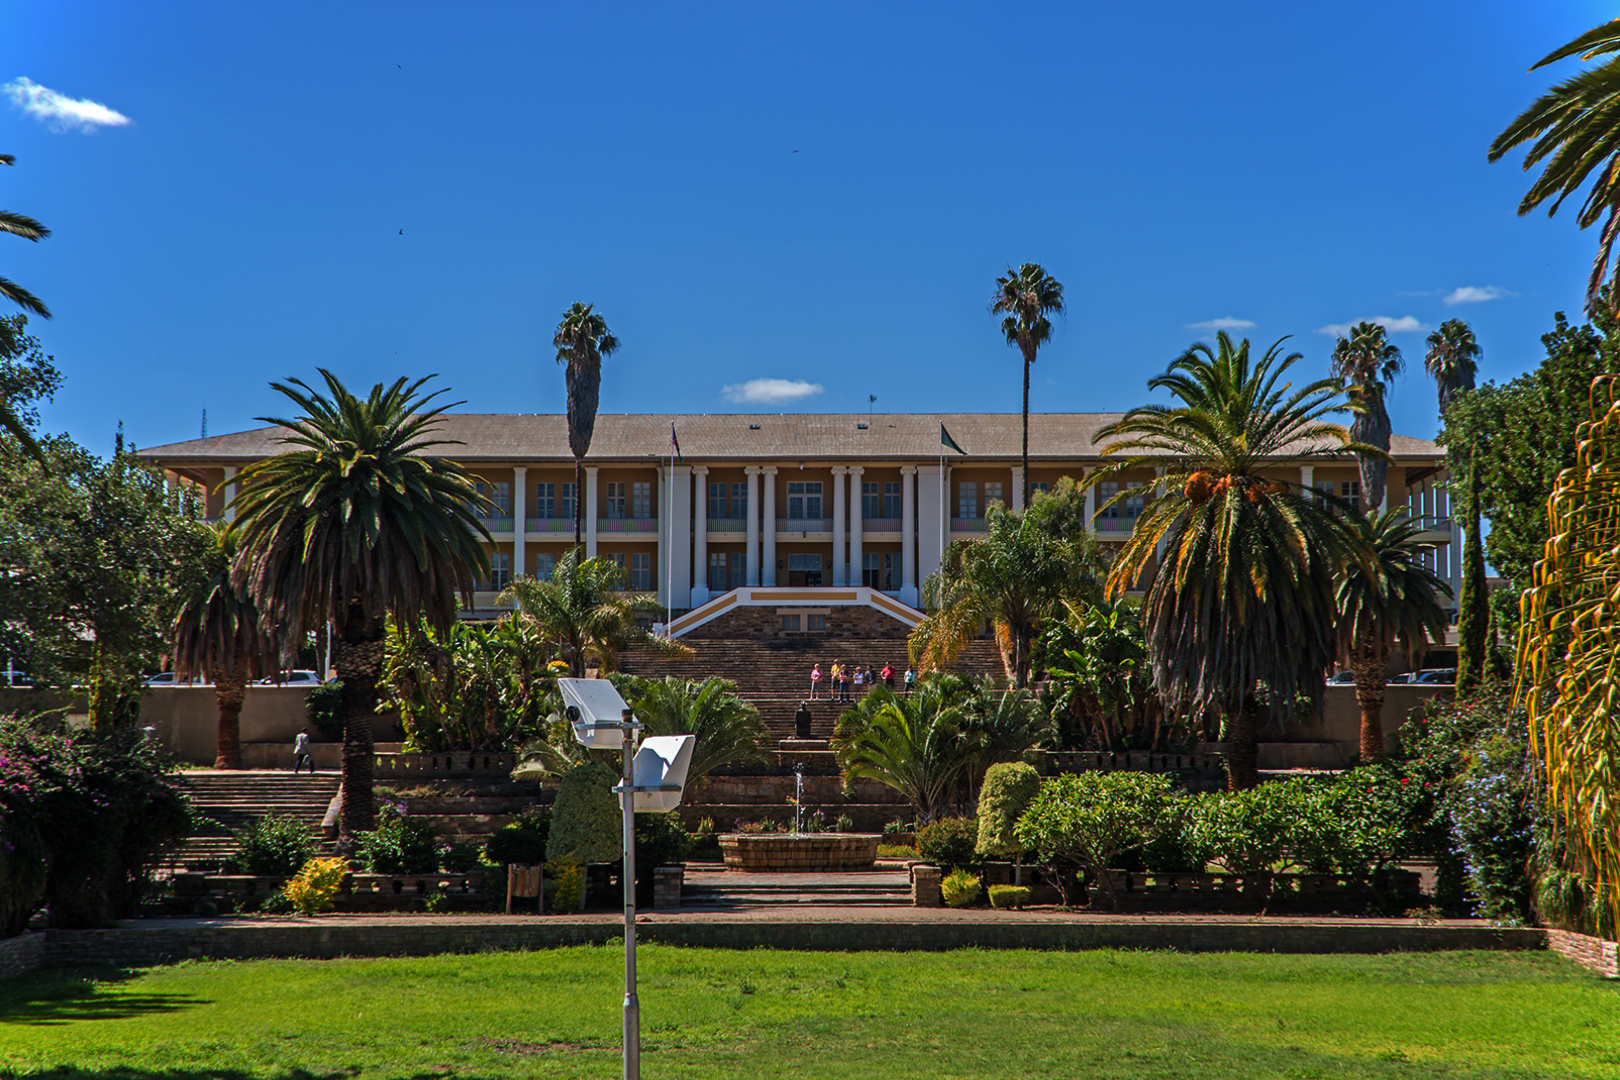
[[497, 437]]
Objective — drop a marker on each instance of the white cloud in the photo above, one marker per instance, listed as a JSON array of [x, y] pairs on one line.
[[1406, 324], [769, 391], [1224, 323], [1474, 294], [59, 111]]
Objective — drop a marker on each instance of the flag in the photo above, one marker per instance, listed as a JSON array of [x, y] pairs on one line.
[[946, 440], [676, 443]]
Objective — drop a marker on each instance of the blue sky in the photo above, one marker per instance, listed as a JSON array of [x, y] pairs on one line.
[[818, 194]]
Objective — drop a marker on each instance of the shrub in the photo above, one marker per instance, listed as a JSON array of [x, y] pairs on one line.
[[586, 821], [843, 823], [522, 840], [458, 857], [1009, 896], [399, 845], [1008, 790], [1086, 821], [949, 842], [660, 841], [960, 888], [1493, 826], [277, 845], [313, 890], [568, 877], [325, 706], [1251, 831]]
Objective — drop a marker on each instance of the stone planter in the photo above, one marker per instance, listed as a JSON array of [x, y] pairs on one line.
[[765, 853]]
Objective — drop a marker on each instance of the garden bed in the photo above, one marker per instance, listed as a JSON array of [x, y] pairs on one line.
[[798, 852]]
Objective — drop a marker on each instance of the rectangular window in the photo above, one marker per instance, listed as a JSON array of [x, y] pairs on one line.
[[992, 493], [545, 501], [804, 561], [617, 559], [717, 502], [804, 500], [1106, 491], [544, 563], [1037, 487], [871, 500], [1350, 490], [891, 568], [614, 505], [641, 571], [739, 570], [500, 499], [641, 500], [717, 571], [967, 500], [817, 624], [891, 499], [1134, 505], [500, 570], [790, 624], [872, 569], [565, 501], [739, 501]]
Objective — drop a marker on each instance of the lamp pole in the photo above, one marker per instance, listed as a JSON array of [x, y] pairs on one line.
[[632, 1004]]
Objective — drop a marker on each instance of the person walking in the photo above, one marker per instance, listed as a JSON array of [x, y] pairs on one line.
[[815, 680], [301, 752], [909, 678]]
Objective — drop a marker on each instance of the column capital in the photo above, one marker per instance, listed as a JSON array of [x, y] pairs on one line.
[[840, 470], [520, 469], [768, 470], [908, 470], [700, 470], [590, 470], [751, 470], [857, 470]]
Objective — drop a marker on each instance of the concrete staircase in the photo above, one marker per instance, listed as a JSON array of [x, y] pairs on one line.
[[227, 803], [713, 889]]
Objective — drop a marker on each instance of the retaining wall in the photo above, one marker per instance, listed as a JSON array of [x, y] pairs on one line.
[[22, 954]]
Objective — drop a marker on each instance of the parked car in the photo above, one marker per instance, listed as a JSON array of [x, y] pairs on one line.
[[298, 677], [1341, 678], [1437, 675], [1403, 677], [168, 679]]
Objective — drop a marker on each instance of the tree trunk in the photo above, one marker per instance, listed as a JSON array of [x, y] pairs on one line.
[[230, 688], [358, 660], [1368, 662], [1242, 755], [579, 498], [1028, 359], [1473, 612]]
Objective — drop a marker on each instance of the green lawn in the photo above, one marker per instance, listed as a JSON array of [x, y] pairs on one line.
[[785, 1014]]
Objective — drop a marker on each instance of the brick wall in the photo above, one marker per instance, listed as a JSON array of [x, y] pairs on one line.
[[20, 955], [761, 623], [1591, 953]]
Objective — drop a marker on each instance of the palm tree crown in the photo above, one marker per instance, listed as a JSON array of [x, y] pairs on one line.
[[1572, 128], [582, 341], [725, 727], [29, 229], [1366, 364], [1243, 595], [1453, 360], [1026, 297], [582, 611], [355, 523]]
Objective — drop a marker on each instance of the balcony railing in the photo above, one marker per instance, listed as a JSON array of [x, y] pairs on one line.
[[549, 525], [626, 525], [804, 525], [969, 525], [1115, 524]]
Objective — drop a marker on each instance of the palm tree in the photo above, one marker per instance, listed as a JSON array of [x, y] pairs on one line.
[[1453, 360], [218, 633], [29, 229], [1366, 364], [1386, 596], [915, 745], [1016, 576], [1572, 128], [584, 612], [582, 341], [1026, 297], [358, 523], [728, 729], [1239, 613]]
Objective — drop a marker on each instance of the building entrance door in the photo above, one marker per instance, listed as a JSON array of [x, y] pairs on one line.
[[804, 570]]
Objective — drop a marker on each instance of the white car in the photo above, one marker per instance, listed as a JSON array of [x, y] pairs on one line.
[[300, 677]]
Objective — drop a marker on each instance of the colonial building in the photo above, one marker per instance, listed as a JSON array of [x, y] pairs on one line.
[[798, 510]]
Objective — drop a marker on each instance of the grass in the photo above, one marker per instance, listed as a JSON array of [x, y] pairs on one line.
[[714, 1014]]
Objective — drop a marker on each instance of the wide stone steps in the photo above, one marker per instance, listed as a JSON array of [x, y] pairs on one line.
[[721, 890]]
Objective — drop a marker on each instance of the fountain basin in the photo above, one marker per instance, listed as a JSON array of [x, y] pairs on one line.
[[764, 853]]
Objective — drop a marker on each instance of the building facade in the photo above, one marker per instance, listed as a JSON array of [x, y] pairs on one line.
[[803, 502]]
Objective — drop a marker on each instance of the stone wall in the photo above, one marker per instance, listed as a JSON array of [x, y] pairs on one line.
[[763, 623], [1591, 953], [20, 955]]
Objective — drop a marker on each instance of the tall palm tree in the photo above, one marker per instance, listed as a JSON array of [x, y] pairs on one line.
[[1026, 297], [1572, 128], [1239, 613], [584, 612], [355, 523], [1386, 596], [582, 341], [26, 227], [218, 634], [1453, 360], [1366, 364], [1016, 576], [727, 728]]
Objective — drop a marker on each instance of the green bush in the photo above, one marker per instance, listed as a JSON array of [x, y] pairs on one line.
[[458, 857], [959, 888], [325, 706], [1085, 822], [399, 845], [1009, 896], [277, 845], [949, 842], [567, 875], [1008, 790], [1246, 832], [660, 841], [586, 821], [522, 840]]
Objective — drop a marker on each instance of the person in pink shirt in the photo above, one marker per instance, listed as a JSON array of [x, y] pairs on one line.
[[815, 680]]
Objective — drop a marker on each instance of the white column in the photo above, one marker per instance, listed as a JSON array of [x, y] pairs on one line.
[[1307, 474], [520, 519], [1017, 502], [700, 537], [590, 511], [767, 574], [857, 521], [753, 525], [908, 536], [1091, 507], [675, 525], [228, 511], [838, 567], [931, 523]]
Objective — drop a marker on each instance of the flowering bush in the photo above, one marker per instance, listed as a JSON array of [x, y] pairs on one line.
[[960, 887], [316, 885]]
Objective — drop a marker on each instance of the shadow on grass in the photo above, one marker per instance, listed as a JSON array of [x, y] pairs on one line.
[[62, 997], [68, 1072]]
